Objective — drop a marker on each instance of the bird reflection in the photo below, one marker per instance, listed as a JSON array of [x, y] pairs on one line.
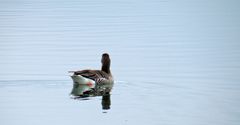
[[83, 92], [106, 101]]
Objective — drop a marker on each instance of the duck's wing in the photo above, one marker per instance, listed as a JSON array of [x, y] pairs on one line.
[[87, 74], [103, 77], [96, 75]]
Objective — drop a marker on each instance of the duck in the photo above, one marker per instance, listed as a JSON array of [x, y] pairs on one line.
[[92, 77]]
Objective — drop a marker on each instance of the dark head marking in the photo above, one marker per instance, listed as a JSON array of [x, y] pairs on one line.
[[106, 62]]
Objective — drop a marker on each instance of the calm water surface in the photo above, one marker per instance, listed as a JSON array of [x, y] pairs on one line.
[[174, 62]]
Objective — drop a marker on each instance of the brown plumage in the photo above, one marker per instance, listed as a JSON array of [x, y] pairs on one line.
[[99, 76]]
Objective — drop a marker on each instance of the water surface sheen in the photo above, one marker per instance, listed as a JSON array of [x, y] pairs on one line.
[[174, 62]]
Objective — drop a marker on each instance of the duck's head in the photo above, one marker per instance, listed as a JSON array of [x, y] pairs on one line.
[[106, 62]]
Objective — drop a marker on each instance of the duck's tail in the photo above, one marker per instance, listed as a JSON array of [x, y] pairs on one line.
[[78, 79]]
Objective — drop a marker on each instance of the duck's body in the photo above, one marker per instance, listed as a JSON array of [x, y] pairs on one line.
[[92, 77]]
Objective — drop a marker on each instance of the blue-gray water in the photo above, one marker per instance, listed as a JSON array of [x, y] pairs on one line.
[[175, 62]]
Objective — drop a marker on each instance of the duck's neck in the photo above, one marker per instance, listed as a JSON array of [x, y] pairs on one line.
[[106, 68]]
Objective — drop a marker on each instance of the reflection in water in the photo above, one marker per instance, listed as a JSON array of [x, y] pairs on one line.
[[106, 101], [83, 91]]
